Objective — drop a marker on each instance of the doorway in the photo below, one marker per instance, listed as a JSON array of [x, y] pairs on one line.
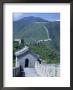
[[26, 62]]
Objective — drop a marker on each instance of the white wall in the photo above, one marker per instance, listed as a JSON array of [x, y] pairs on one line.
[[47, 70]]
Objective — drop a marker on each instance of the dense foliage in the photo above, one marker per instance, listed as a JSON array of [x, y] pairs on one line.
[[47, 53]]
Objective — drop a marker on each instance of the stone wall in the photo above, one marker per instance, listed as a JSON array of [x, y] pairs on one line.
[[31, 60], [47, 70], [16, 71]]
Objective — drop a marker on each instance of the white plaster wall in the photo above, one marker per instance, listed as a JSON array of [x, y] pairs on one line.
[[47, 70], [31, 63]]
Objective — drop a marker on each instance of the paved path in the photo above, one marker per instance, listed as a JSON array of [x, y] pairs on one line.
[[30, 72]]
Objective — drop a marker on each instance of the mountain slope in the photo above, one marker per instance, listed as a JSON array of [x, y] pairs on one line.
[[18, 25], [32, 28], [32, 32]]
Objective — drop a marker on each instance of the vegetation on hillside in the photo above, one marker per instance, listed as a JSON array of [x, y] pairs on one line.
[[47, 53], [54, 30], [31, 32], [44, 50]]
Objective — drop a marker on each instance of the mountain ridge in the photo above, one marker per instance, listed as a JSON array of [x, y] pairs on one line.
[[27, 29]]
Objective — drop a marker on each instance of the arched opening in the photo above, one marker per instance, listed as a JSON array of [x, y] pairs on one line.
[[26, 62], [39, 61]]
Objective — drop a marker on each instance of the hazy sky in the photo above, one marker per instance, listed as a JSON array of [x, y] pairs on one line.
[[46, 16]]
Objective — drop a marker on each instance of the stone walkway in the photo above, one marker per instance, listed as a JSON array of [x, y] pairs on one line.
[[30, 72]]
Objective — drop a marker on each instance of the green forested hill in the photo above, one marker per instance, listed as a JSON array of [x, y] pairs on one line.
[[54, 30], [31, 29], [31, 32]]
